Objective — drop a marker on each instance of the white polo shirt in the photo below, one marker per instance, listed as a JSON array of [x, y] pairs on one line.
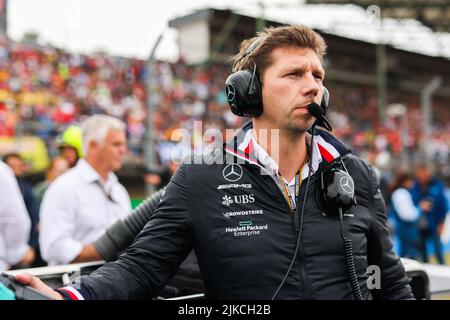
[[14, 220], [77, 209]]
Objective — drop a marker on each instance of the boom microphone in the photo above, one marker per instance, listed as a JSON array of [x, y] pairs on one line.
[[316, 111]]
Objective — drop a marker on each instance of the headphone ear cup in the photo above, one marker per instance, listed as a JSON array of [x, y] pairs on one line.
[[336, 189], [243, 91]]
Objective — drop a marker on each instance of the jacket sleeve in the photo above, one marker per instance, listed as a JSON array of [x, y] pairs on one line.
[[394, 282], [155, 255]]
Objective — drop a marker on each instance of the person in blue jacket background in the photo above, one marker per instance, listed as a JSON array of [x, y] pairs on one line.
[[405, 214], [428, 193]]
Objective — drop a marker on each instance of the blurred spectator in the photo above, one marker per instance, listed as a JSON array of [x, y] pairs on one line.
[[19, 168], [70, 145], [160, 177], [157, 177], [83, 202], [14, 223], [405, 214], [429, 194], [58, 166]]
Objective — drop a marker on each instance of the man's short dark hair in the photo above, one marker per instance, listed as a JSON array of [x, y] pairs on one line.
[[297, 36]]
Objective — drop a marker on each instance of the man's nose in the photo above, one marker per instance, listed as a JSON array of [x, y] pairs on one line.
[[310, 85], [124, 149]]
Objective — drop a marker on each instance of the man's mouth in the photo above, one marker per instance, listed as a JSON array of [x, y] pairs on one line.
[[304, 106]]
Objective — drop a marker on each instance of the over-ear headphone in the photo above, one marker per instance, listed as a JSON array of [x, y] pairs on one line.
[[336, 189], [243, 88], [244, 91]]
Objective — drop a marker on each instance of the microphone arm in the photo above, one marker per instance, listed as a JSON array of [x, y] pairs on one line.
[[323, 122], [317, 112]]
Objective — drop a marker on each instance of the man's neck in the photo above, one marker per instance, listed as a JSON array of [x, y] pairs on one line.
[[287, 148], [102, 172]]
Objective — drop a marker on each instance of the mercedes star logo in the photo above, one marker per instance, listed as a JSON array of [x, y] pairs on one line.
[[232, 172], [346, 184], [231, 92]]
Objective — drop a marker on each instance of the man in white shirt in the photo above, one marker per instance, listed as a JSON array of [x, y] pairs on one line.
[[14, 222], [83, 202]]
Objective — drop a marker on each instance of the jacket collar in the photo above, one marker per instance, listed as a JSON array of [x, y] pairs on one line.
[[242, 146], [89, 174]]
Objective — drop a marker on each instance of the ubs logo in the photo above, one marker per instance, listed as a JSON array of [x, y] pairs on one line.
[[239, 199]]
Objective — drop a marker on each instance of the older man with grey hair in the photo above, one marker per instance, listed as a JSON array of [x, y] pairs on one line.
[[83, 202]]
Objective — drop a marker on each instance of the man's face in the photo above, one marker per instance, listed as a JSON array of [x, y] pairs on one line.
[[423, 175], [17, 165], [70, 154], [289, 85], [112, 153]]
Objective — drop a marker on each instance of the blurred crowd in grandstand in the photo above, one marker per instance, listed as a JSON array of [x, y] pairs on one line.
[[355, 118], [44, 89]]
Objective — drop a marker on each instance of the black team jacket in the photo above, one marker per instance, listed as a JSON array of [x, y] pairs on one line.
[[244, 235]]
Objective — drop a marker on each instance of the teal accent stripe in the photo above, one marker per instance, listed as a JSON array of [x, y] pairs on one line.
[[245, 223]]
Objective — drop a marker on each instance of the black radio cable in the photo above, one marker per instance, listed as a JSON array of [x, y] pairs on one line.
[[350, 261], [348, 254]]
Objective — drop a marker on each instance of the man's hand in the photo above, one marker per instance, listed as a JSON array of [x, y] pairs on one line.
[[440, 228], [426, 205], [88, 253], [37, 284], [152, 178], [28, 258]]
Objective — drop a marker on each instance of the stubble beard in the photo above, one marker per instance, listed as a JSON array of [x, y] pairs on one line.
[[298, 125]]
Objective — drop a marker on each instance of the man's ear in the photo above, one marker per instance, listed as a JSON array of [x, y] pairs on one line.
[[93, 145]]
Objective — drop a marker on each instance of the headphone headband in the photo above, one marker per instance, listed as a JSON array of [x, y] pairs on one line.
[[249, 51]]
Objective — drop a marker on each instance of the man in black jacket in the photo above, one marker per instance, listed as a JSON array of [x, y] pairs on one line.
[[253, 210]]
